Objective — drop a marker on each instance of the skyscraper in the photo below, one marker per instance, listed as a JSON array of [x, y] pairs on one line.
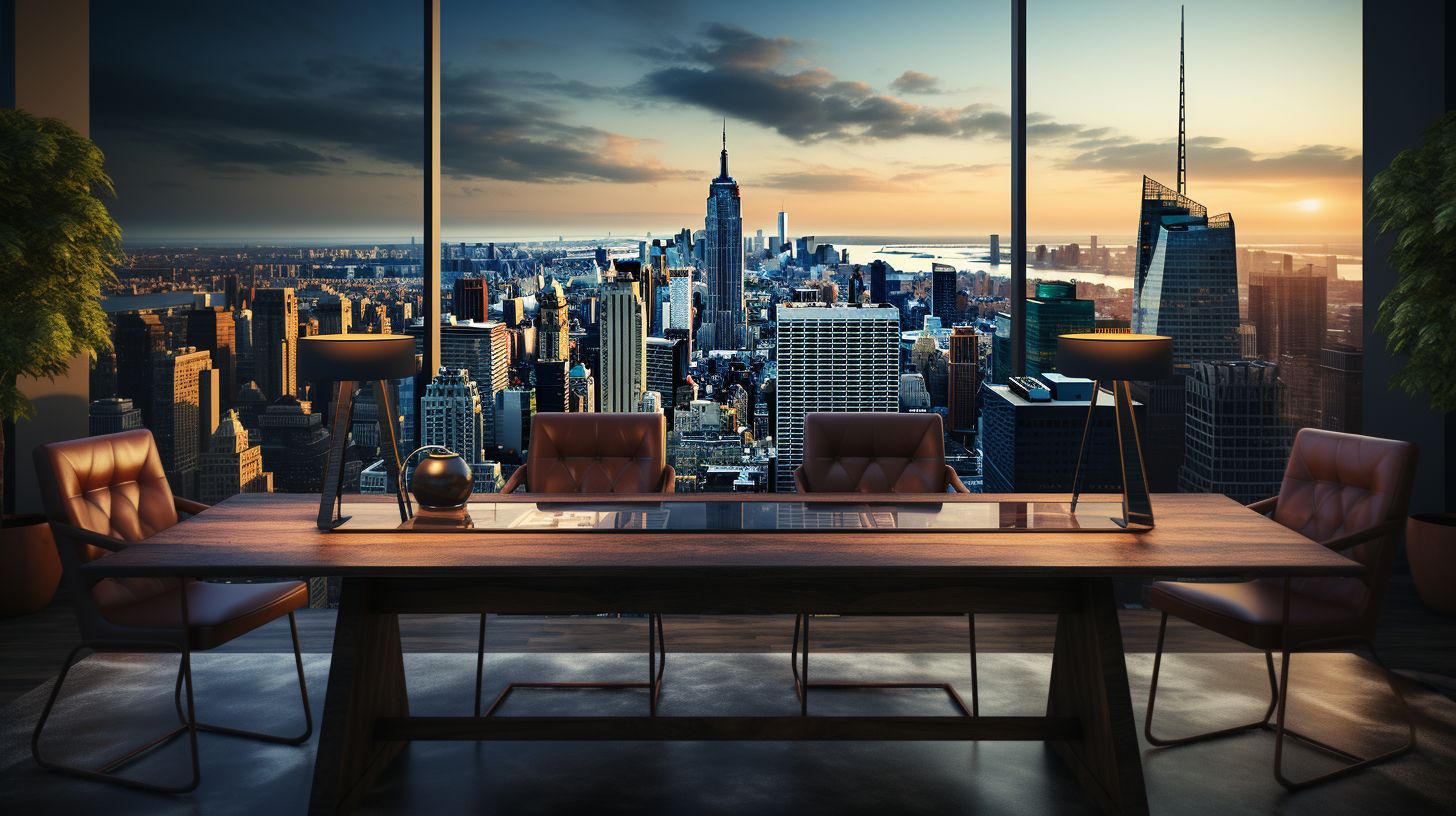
[[139, 340], [667, 369], [581, 393], [211, 329], [943, 293], [965, 375], [680, 295], [275, 342], [783, 229], [483, 350], [514, 408], [841, 358], [1053, 312], [879, 291], [176, 414], [296, 446], [452, 409], [1290, 318], [1237, 443], [623, 346], [724, 263], [1342, 382], [471, 301], [229, 465], [995, 249], [114, 415], [553, 340]]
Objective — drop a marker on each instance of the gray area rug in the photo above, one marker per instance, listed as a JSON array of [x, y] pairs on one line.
[[114, 702]]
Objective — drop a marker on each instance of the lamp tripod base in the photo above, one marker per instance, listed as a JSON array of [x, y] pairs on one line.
[[1137, 507]]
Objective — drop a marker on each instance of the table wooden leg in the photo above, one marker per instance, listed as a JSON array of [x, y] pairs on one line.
[[1089, 682], [366, 682]]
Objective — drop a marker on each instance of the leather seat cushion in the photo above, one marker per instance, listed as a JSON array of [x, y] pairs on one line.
[[1251, 611], [874, 453], [596, 453], [216, 613]]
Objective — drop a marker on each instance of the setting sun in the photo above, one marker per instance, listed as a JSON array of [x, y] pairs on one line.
[[1310, 205]]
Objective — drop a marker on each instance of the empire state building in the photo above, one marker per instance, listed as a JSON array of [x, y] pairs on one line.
[[724, 260]]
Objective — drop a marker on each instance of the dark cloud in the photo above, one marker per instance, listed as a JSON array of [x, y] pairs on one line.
[[637, 9], [226, 154], [301, 121], [1210, 157], [739, 73], [916, 82]]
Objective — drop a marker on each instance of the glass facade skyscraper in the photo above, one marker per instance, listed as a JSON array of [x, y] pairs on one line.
[[1054, 311], [724, 260], [1186, 283]]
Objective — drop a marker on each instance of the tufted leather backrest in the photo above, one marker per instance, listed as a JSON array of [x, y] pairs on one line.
[[1337, 484], [596, 453], [873, 453], [113, 485]]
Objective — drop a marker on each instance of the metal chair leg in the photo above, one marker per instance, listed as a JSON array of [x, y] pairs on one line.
[[802, 684], [1356, 762], [1222, 732], [103, 774], [255, 735], [656, 667]]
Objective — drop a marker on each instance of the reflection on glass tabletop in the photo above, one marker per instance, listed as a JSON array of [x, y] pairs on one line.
[[748, 517]]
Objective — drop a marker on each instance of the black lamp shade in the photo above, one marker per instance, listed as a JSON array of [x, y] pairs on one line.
[[1115, 356], [356, 357]]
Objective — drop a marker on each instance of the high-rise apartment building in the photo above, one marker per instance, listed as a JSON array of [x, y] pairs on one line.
[[114, 415], [229, 465], [723, 264], [275, 342], [211, 329], [453, 414], [623, 363], [943, 293], [1053, 312], [965, 380], [842, 358], [471, 300], [1237, 443], [176, 414], [139, 340], [481, 349], [553, 338]]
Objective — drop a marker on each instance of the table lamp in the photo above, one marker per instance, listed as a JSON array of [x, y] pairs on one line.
[[1117, 358], [350, 359]]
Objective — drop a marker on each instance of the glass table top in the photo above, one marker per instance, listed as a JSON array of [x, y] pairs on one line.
[[712, 516]]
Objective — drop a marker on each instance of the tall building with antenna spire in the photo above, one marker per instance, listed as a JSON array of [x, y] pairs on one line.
[[1185, 286], [723, 261]]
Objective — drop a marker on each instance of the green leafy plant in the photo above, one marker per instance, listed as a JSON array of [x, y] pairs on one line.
[[57, 247], [1415, 199]]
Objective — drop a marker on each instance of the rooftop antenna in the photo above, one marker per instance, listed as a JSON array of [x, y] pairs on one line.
[[1182, 126]]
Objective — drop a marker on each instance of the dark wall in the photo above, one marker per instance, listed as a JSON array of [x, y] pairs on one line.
[[1405, 88]]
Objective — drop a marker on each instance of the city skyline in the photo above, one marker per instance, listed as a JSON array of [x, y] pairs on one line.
[[853, 129]]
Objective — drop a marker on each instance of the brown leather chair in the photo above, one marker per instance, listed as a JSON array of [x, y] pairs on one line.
[[875, 453], [1350, 493], [109, 493], [593, 453]]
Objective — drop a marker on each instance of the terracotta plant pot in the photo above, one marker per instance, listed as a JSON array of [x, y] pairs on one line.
[[30, 570], [1430, 544]]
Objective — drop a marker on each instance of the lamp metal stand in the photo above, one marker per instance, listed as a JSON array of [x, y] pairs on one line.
[[331, 503], [1137, 507]]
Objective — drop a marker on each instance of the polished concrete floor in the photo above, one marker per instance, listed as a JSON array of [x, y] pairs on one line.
[[112, 703]]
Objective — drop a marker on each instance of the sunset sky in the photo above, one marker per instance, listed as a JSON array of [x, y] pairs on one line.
[[300, 120]]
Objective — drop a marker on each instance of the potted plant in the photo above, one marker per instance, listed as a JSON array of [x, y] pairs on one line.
[[57, 247], [1415, 199]]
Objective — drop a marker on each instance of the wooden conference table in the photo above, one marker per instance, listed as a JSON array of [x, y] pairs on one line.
[[731, 553]]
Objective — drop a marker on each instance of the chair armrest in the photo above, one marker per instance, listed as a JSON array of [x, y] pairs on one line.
[[1264, 505], [517, 480], [953, 480], [189, 506], [1345, 542], [800, 486], [95, 539], [669, 480]]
